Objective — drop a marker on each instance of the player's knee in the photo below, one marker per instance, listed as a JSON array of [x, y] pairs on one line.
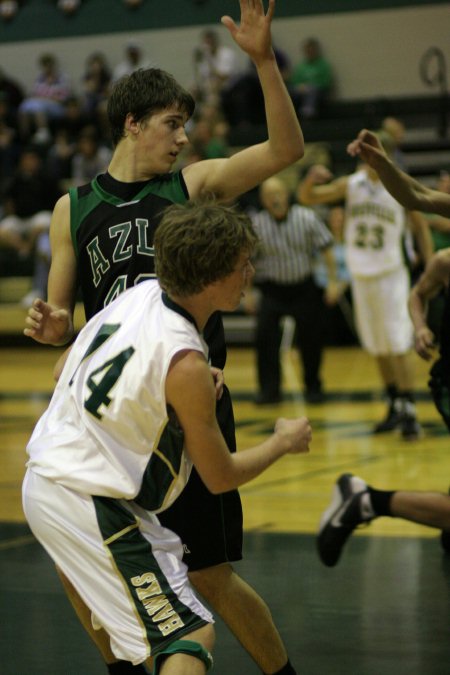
[[198, 645], [206, 636]]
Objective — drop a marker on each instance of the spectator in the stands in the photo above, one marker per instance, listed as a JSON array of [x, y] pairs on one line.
[[9, 145], [134, 58], [91, 157], [74, 118], [242, 100], [210, 137], [68, 7], [45, 103], [311, 79], [215, 65], [9, 9], [59, 158], [28, 200], [95, 84], [13, 91]]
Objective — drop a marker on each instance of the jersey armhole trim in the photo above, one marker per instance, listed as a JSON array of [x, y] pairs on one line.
[[73, 219]]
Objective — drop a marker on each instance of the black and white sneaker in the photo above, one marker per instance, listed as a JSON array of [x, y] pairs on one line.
[[392, 420], [350, 506], [409, 426]]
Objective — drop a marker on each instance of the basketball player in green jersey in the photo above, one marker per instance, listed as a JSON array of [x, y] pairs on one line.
[[148, 112]]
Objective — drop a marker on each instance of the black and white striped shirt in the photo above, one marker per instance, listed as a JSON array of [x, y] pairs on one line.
[[287, 249]]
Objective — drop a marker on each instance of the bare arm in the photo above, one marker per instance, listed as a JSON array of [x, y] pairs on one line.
[[219, 469], [421, 232], [439, 223], [51, 322], [316, 188], [228, 178], [333, 289], [435, 277], [406, 190]]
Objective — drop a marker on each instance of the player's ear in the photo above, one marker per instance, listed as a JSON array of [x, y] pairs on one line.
[[131, 125]]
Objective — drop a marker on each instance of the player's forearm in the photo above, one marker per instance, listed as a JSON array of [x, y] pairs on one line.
[[417, 307], [248, 464], [423, 236], [402, 187], [330, 263], [308, 192], [285, 134], [439, 223]]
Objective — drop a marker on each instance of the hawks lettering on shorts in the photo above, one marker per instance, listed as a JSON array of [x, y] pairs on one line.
[[156, 604], [146, 581]]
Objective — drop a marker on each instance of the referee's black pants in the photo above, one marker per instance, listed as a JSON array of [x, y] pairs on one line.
[[303, 301]]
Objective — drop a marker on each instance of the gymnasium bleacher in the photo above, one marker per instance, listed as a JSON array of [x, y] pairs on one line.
[[425, 151], [426, 146]]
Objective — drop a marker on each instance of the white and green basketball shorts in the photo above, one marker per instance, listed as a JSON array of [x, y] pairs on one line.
[[125, 566]]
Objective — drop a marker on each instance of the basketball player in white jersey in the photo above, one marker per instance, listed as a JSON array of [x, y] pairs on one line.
[[408, 191], [135, 405], [375, 228]]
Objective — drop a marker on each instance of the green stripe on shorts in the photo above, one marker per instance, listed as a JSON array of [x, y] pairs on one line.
[[164, 617]]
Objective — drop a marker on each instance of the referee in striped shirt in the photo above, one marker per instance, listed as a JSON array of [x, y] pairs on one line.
[[290, 238]]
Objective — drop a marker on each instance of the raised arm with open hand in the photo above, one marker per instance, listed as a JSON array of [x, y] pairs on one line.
[[253, 33], [229, 177]]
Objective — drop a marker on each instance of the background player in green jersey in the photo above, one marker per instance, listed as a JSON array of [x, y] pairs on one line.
[[148, 132]]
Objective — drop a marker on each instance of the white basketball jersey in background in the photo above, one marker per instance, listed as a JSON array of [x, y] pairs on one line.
[[374, 228]]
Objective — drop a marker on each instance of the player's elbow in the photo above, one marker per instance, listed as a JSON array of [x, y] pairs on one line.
[[283, 155], [304, 197], [294, 152], [221, 481], [216, 490], [219, 485]]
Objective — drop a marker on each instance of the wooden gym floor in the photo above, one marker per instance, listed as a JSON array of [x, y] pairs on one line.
[[383, 610]]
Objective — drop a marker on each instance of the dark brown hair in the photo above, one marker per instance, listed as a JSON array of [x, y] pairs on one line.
[[143, 93]]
